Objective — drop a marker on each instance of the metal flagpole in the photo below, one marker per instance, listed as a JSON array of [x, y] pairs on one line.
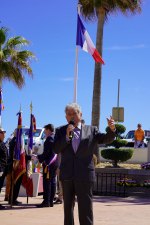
[[118, 98], [29, 162], [76, 66], [76, 76]]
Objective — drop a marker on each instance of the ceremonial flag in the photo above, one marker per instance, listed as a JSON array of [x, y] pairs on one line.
[[20, 162], [30, 142], [19, 155], [19, 143], [84, 41], [27, 181], [31, 130]]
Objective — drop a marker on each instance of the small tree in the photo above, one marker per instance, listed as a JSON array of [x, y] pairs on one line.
[[116, 154], [117, 143], [14, 58]]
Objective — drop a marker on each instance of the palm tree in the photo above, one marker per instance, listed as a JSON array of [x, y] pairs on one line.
[[101, 9], [14, 60]]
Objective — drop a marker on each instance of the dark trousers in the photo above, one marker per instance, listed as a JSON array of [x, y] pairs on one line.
[[49, 189], [16, 189], [2, 178], [83, 191]]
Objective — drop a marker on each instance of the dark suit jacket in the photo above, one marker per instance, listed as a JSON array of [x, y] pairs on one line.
[[3, 162], [3, 156], [12, 144], [48, 155], [79, 166]]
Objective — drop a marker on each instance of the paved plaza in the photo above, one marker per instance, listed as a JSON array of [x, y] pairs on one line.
[[107, 211]]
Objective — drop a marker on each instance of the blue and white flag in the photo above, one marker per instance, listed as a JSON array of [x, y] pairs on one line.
[[84, 41]]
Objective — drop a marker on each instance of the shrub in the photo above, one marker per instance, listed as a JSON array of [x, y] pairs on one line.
[[120, 129], [118, 143], [117, 155]]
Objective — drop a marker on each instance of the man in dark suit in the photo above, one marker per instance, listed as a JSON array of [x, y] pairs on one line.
[[49, 161], [77, 142], [14, 185], [3, 160]]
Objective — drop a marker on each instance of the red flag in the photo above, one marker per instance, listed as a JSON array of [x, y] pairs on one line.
[[27, 183], [19, 163], [34, 123]]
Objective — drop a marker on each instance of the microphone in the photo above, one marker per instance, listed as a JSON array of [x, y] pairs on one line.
[[71, 132]]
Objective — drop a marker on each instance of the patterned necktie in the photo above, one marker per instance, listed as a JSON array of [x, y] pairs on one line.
[[76, 139]]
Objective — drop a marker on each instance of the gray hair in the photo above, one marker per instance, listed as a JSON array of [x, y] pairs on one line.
[[74, 106]]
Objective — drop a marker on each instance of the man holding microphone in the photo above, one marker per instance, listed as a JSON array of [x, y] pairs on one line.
[[76, 142]]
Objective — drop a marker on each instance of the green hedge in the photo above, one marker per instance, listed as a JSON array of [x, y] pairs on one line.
[[118, 143], [119, 155], [120, 129]]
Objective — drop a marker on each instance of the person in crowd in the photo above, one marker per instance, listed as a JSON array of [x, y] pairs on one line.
[[3, 160], [13, 184], [139, 136], [8, 177], [49, 160], [59, 195], [76, 142]]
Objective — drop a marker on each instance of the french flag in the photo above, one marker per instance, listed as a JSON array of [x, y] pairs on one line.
[[84, 41]]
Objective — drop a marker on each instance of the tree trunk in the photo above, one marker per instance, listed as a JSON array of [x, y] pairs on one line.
[[115, 163], [96, 102]]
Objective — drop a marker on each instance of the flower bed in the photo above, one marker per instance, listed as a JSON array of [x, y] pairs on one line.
[[145, 165], [132, 183], [127, 182]]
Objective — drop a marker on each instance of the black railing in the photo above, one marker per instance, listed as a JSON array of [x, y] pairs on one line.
[[107, 184]]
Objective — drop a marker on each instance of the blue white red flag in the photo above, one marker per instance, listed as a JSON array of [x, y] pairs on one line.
[[19, 155], [31, 130], [19, 143], [84, 41]]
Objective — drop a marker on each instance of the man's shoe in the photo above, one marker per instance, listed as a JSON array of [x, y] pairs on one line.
[[2, 207], [16, 203], [51, 204], [43, 205], [58, 201]]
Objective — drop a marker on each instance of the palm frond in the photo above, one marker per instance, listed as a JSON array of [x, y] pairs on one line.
[[90, 8], [3, 35], [11, 73], [16, 42], [14, 62], [25, 55], [1, 55]]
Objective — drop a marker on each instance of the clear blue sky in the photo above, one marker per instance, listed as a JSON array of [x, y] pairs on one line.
[[51, 29]]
